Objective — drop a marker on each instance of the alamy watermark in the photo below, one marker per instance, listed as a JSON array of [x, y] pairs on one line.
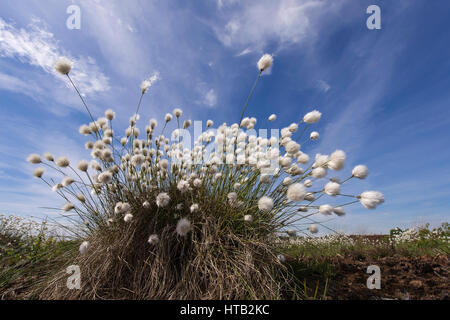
[[374, 281], [74, 19]]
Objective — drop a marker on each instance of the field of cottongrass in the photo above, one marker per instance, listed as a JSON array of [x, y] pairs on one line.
[[152, 217]]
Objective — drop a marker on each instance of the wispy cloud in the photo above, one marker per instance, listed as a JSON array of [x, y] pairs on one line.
[[38, 47], [210, 98]]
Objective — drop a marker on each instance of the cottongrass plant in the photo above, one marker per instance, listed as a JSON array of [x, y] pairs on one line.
[[158, 220]]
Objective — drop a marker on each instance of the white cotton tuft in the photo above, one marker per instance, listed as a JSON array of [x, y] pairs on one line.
[[272, 117], [38, 172], [68, 206], [291, 233], [371, 199], [287, 181], [177, 112], [48, 156], [153, 239], [81, 197], [146, 204], [34, 158], [265, 204], [314, 135], [326, 209], [105, 177], [110, 114], [209, 123], [360, 171], [319, 172], [145, 85], [248, 218], [183, 227], [67, 181], [313, 228], [296, 192], [307, 183], [162, 200], [303, 158], [337, 160], [292, 147], [168, 117], [265, 62], [312, 117], [332, 188], [63, 66], [339, 211], [62, 162], [194, 208], [128, 217], [84, 129], [197, 183], [84, 247], [183, 186]]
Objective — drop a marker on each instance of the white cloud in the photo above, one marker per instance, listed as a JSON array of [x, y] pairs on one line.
[[210, 98], [323, 85], [244, 52], [37, 47], [257, 23]]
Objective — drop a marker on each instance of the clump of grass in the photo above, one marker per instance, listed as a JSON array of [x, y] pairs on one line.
[[162, 220]]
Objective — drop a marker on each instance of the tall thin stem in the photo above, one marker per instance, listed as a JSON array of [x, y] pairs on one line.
[[249, 96], [84, 103]]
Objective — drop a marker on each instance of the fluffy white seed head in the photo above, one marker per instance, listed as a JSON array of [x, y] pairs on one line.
[[314, 135], [183, 227], [145, 85], [183, 186], [371, 199], [326, 209], [360, 171], [62, 162], [319, 172], [153, 239], [162, 200], [34, 158], [272, 117], [291, 233], [68, 206], [110, 114], [48, 156], [81, 197], [194, 208], [265, 62], [63, 66], [312, 117], [337, 160], [248, 218], [38, 172], [339, 211], [168, 117], [292, 147], [332, 188], [265, 203], [67, 181], [177, 112], [128, 217], [296, 192], [313, 228], [84, 247], [209, 123]]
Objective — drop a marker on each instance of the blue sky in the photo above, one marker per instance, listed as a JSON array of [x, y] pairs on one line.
[[383, 93]]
